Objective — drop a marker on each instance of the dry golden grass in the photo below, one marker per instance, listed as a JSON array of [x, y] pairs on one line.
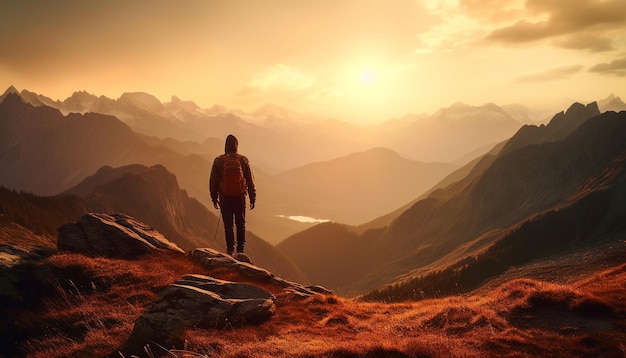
[[519, 319], [94, 302], [97, 301]]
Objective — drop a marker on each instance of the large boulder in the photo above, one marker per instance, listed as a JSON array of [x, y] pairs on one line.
[[116, 235], [197, 301]]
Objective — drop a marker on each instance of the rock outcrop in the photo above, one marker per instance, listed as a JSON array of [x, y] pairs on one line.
[[197, 301], [192, 302], [212, 258], [116, 235]]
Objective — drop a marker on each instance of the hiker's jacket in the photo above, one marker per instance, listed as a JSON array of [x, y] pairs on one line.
[[216, 176]]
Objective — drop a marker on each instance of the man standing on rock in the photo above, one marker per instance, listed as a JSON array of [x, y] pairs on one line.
[[230, 179]]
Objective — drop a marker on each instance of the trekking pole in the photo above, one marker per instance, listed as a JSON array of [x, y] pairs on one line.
[[219, 217]]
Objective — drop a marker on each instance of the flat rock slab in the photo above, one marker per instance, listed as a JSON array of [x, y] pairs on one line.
[[211, 258]]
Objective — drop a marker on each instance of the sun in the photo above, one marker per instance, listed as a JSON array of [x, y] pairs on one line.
[[367, 77]]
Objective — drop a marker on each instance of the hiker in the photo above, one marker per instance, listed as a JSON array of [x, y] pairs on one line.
[[230, 179]]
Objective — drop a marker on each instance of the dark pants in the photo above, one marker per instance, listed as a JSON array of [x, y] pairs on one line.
[[234, 207]]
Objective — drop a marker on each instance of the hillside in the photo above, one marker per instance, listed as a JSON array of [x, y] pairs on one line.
[[377, 180], [67, 304], [152, 195], [470, 170], [500, 193]]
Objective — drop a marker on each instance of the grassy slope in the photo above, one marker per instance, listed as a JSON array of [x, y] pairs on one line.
[[79, 306]]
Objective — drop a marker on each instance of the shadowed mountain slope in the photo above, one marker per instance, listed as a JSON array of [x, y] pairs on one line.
[[561, 125], [45, 152], [468, 216], [468, 171], [378, 181], [517, 186], [24, 215], [332, 253], [152, 195]]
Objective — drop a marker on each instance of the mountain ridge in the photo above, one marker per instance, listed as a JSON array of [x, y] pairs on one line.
[[269, 130], [469, 215], [77, 145]]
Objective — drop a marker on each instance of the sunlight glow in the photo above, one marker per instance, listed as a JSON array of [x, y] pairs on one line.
[[367, 77]]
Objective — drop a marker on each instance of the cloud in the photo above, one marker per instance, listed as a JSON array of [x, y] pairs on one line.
[[493, 11], [550, 75], [545, 19], [614, 68], [591, 42], [283, 78], [454, 29], [464, 23]]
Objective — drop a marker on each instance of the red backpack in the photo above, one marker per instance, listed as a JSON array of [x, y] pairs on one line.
[[232, 182]]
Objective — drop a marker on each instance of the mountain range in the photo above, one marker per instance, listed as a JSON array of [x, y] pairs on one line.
[[517, 249], [77, 145], [438, 213], [570, 171], [265, 133]]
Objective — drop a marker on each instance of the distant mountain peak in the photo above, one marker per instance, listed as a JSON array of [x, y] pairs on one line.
[[190, 106], [142, 100], [612, 103], [81, 100], [11, 100], [459, 105], [10, 90], [460, 112], [271, 110], [559, 127], [578, 110]]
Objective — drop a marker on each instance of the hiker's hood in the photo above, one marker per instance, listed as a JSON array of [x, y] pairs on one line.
[[231, 144]]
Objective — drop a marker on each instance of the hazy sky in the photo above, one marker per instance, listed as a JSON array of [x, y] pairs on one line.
[[353, 59]]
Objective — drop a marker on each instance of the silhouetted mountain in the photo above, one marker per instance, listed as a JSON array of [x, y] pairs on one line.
[[10, 90], [184, 121], [103, 176], [331, 253], [44, 152], [449, 134], [612, 103], [561, 125], [516, 186], [377, 181], [501, 191], [279, 138], [568, 195], [152, 195], [457, 179]]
